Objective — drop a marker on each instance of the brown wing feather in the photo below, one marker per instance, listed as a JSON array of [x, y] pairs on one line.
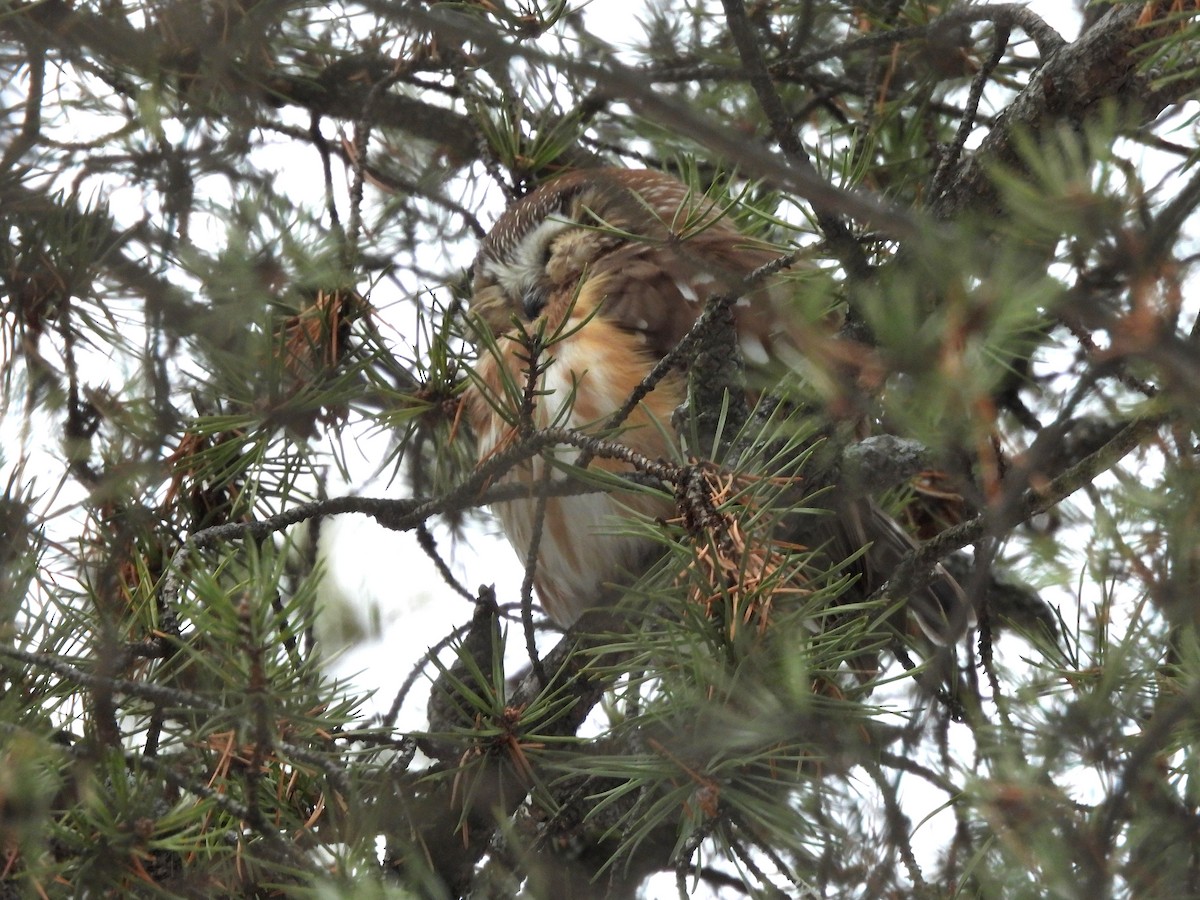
[[659, 290]]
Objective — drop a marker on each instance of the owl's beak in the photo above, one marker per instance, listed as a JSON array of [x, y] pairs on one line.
[[533, 301]]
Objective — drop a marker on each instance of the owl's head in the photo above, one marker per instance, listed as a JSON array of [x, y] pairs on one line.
[[547, 241]]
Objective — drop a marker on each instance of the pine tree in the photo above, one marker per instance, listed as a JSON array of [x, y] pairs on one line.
[[236, 259]]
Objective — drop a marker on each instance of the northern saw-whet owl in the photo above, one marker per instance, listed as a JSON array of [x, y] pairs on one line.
[[619, 264]]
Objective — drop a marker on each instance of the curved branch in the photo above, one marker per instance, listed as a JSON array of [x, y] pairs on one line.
[[1101, 65]]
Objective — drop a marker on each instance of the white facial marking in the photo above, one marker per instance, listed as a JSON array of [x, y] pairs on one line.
[[526, 264]]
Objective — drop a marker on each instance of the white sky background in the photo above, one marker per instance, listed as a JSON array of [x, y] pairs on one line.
[[380, 578]]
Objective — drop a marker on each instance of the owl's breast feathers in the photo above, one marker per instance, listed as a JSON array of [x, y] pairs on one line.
[[590, 373]]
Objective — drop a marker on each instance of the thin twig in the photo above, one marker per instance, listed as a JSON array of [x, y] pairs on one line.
[[427, 543], [905, 578], [949, 162], [362, 138], [837, 232], [531, 563]]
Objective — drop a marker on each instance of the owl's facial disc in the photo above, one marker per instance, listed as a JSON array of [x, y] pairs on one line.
[[521, 274]]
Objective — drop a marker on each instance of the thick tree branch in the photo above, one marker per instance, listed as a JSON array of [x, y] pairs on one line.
[[1102, 65]]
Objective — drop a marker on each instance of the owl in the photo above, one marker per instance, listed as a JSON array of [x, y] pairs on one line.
[[613, 267]]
